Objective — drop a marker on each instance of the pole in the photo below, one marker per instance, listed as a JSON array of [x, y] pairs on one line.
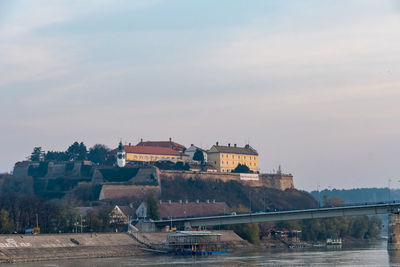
[[250, 200], [264, 199]]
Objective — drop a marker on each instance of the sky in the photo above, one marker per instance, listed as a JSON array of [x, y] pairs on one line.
[[313, 85]]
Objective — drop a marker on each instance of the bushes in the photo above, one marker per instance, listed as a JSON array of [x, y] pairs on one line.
[[248, 231], [360, 227], [39, 171], [118, 174], [234, 194]]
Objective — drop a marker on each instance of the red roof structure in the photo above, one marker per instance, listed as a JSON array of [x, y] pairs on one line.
[[152, 150], [167, 144]]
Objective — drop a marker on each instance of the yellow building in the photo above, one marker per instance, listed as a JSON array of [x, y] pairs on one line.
[[227, 158], [152, 154]]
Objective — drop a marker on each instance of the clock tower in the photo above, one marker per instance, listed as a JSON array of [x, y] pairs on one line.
[[121, 155]]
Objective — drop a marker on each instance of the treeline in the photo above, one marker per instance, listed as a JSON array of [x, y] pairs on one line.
[[18, 212], [359, 227], [99, 154]]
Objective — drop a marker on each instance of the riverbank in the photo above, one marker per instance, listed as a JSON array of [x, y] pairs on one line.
[[44, 247], [16, 248]]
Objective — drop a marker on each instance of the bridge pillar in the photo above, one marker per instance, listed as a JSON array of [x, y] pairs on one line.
[[394, 232]]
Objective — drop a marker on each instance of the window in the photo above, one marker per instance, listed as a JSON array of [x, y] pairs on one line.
[[222, 162], [239, 156]]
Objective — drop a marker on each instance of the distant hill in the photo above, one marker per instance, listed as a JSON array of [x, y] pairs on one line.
[[359, 195]]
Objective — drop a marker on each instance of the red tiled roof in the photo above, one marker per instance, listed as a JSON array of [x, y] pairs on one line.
[[176, 209], [169, 144], [152, 150]]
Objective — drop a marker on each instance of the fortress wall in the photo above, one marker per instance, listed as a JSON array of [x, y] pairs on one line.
[[276, 181], [110, 191], [21, 168], [225, 177]]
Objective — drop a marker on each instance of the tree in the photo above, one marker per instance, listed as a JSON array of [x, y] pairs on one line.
[[248, 231], [152, 207], [56, 156], [99, 154], [199, 156], [105, 217], [37, 154], [77, 151], [6, 226], [93, 221], [332, 202], [242, 168]]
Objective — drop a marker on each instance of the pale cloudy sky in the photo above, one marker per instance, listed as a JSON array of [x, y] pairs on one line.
[[313, 85]]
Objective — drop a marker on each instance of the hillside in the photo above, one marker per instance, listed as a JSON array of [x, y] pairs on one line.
[[235, 194]]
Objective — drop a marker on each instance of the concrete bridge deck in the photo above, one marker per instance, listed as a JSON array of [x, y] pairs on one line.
[[324, 212]]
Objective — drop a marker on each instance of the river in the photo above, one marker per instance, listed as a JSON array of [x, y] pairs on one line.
[[374, 254]]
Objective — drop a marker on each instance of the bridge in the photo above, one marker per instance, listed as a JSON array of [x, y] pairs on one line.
[[391, 208]]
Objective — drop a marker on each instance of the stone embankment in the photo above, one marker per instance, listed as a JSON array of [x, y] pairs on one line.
[[64, 246], [16, 248]]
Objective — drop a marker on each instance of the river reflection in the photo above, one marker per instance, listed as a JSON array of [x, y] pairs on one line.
[[373, 254]]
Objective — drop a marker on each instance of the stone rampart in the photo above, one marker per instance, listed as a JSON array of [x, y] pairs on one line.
[[276, 181], [114, 191]]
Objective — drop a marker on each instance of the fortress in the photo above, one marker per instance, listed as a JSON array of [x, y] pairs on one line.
[[140, 169], [114, 182]]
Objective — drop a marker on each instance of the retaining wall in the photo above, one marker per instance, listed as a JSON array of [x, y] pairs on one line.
[[62, 246], [276, 181]]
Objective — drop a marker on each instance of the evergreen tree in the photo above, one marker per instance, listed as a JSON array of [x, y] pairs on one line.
[[152, 207], [198, 156], [37, 154], [242, 168], [99, 154], [77, 151]]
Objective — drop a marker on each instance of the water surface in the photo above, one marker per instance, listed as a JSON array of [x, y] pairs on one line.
[[374, 254]]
